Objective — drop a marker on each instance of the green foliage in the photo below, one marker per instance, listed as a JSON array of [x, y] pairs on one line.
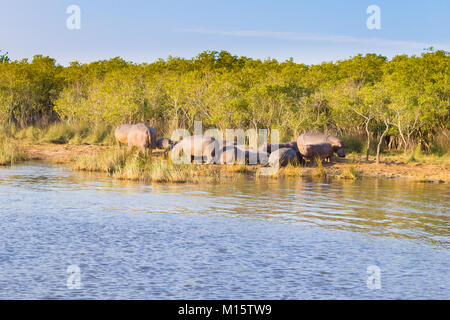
[[356, 98], [353, 144], [4, 57]]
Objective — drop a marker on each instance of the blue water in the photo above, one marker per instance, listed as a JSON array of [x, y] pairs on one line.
[[238, 239]]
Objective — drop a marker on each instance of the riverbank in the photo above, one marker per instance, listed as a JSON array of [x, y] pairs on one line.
[[352, 167]]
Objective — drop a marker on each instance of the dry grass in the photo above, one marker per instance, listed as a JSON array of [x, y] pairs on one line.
[[320, 171], [133, 165], [350, 173], [11, 152]]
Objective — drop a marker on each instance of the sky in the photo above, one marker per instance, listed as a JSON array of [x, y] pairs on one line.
[[142, 31]]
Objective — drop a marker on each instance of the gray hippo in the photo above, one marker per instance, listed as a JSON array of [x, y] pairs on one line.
[[269, 147], [163, 143], [336, 144], [255, 157], [121, 133], [195, 147], [142, 136], [231, 154], [136, 135], [284, 156]]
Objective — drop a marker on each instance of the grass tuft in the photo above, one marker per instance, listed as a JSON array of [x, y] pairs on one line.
[[350, 173], [11, 152], [320, 171]]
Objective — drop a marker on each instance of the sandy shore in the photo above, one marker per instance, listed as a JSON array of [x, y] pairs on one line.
[[389, 168]]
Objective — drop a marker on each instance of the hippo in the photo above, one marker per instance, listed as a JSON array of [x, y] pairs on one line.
[[121, 133], [196, 146], [283, 157], [231, 154], [163, 143], [323, 151], [142, 136], [269, 147], [316, 138], [255, 157]]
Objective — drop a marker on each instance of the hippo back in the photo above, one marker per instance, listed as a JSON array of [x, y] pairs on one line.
[[283, 156]]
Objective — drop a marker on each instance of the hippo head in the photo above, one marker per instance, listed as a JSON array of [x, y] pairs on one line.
[[339, 148], [340, 152]]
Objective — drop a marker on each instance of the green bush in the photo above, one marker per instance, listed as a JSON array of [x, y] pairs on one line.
[[354, 144]]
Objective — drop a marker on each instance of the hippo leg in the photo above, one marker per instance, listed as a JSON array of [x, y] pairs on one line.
[[209, 160]]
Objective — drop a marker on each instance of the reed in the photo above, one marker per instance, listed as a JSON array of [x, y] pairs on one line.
[[11, 152], [350, 173], [133, 165]]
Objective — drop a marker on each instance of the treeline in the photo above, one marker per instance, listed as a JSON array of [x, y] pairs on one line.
[[404, 101]]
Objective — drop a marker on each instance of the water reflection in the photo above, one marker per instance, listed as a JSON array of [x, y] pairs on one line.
[[394, 208]]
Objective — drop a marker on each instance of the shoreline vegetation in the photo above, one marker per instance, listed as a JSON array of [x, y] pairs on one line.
[[122, 164], [392, 114]]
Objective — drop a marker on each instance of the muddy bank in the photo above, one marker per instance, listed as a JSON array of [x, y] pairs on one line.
[[390, 168]]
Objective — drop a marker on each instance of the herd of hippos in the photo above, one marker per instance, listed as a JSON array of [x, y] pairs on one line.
[[309, 146]]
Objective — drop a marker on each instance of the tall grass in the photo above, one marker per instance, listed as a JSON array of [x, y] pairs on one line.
[[11, 152], [320, 171], [63, 133], [133, 165]]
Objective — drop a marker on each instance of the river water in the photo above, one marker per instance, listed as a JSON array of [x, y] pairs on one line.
[[237, 239]]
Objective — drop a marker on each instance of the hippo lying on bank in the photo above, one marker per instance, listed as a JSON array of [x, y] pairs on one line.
[[270, 147], [313, 145], [284, 156], [196, 147], [163, 143], [137, 135], [231, 154]]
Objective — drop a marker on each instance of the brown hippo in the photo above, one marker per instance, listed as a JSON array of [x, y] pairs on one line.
[[163, 143], [121, 133], [197, 146], [284, 156], [316, 138], [142, 136], [323, 151]]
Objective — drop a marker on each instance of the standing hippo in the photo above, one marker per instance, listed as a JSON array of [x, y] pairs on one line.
[[316, 138], [196, 146], [121, 133], [142, 136], [163, 143], [323, 151], [284, 156]]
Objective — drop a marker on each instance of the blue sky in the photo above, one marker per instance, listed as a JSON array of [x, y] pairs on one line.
[[142, 31]]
